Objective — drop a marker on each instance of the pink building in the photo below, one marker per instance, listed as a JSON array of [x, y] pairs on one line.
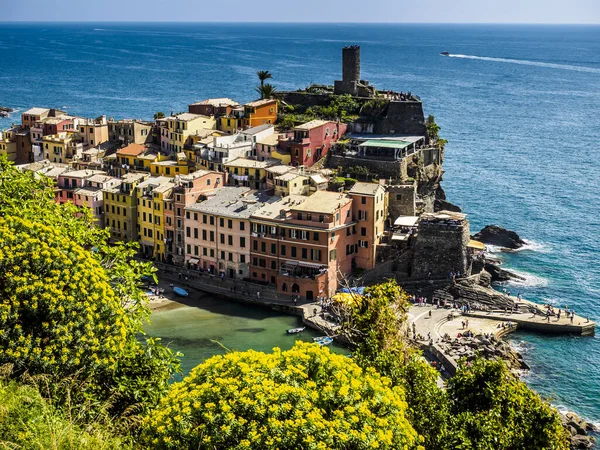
[[312, 140], [188, 189]]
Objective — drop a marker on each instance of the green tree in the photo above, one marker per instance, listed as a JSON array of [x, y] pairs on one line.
[[263, 75], [492, 409], [159, 115], [306, 397], [70, 303], [266, 90], [374, 322]]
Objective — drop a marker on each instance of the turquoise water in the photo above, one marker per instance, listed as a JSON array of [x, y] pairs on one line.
[[213, 326], [520, 106]]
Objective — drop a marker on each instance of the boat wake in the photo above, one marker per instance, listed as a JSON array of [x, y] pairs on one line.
[[525, 62]]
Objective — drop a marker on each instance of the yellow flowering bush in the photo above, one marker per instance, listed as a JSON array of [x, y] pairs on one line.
[[58, 314], [306, 397]]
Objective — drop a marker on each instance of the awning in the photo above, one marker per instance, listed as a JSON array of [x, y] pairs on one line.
[[406, 221], [385, 143], [193, 261], [476, 245], [309, 264], [400, 237]]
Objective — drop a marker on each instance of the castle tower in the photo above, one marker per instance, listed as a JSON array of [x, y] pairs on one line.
[[351, 64]]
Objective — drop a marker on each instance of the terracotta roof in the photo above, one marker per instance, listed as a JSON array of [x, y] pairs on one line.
[[132, 150]]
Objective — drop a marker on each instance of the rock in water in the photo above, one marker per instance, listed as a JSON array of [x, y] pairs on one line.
[[5, 111], [495, 235]]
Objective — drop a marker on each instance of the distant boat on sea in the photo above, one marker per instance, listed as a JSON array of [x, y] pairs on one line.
[[445, 53], [180, 291]]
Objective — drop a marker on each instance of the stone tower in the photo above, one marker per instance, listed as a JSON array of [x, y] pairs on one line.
[[351, 82], [351, 64]]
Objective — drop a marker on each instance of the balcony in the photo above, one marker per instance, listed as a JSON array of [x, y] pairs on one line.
[[303, 269]]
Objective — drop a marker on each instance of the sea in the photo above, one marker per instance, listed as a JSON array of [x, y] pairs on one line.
[[519, 106]]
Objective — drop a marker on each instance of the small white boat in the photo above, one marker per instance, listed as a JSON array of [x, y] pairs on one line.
[[318, 338], [296, 330], [325, 341], [180, 291]]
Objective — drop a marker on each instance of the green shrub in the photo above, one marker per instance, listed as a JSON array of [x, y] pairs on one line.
[[28, 421], [306, 397]]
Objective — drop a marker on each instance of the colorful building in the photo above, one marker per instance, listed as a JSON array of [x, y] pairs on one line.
[[313, 140], [215, 107], [181, 126], [217, 231], [302, 244], [259, 112], [63, 147], [8, 144], [93, 132], [150, 195], [248, 172], [188, 189], [130, 131], [369, 209], [120, 208]]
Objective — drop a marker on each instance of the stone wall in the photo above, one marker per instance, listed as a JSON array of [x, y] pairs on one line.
[[402, 200], [384, 169], [403, 117], [440, 249]]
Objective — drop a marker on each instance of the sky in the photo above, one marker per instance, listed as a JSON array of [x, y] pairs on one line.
[[419, 11]]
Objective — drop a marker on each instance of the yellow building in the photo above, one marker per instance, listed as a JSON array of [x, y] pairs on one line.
[[151, 194], [120, 208], [8, 144], [232, 122], [199, 140], [292, 183], [180, 127], [62, 147], [260, 112], [248, 172], [170, 168]]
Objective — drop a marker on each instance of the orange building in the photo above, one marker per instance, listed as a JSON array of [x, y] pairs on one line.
[[259, 112], [302, 245]]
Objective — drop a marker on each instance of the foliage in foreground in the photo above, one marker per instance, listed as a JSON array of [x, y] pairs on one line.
[[70, 304], [28, 421], [492, 409], [485, 406], [306, 397]]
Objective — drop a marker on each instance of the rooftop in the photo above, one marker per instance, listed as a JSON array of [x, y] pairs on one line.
[[100, 178], [279, 169], [312, 124], [289, 176], [217, 102], [132, 150], [272, 139], [238, 202], [262, 102], [36, 111], [250, 163], [86, 173], [186, 117], [154, 182], [323, 202], [258, 129], [443, 216], [273, 210], [365, 188], [88, 191]]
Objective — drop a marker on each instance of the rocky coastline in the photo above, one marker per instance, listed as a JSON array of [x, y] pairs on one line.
[[5, 111]]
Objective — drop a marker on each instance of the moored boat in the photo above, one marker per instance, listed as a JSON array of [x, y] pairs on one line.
[[180, 291], [325, 341], [296, 330]]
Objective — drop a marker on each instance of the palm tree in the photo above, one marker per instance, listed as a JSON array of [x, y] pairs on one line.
[[263, 75], [266, 90]]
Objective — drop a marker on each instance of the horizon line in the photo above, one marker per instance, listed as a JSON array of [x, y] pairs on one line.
[[272, 22]]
